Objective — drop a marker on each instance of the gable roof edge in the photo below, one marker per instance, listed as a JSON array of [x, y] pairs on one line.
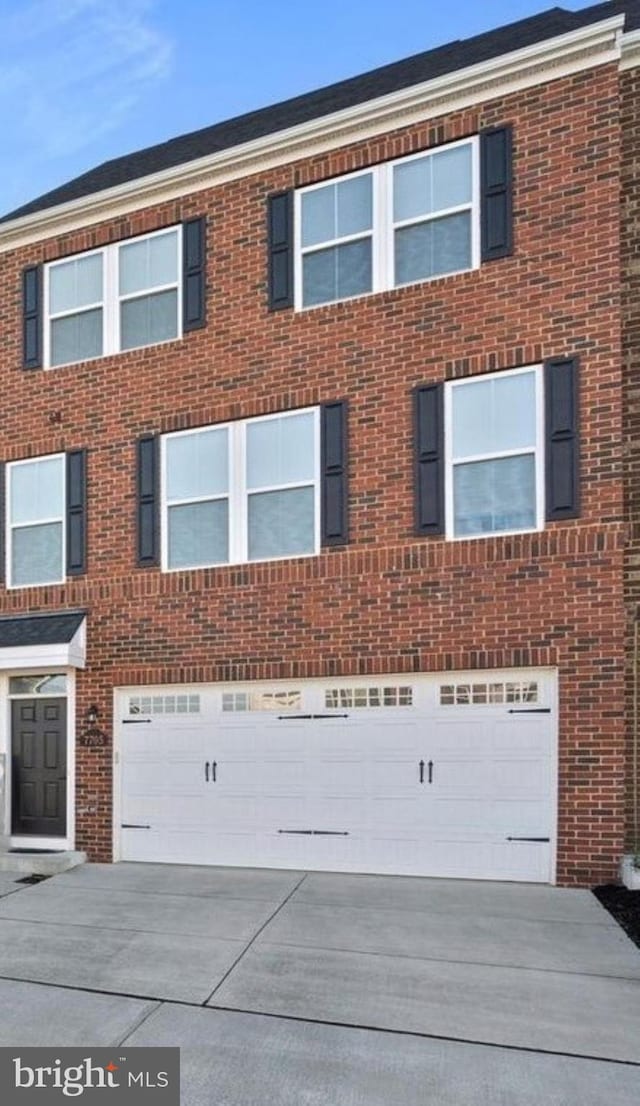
[[562, 55]]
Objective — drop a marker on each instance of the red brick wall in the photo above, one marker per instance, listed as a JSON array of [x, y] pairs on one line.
[[630, 239], [390, 601]]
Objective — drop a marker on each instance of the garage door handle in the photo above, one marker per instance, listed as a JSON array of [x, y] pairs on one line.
[[214, 771], [429, 768]]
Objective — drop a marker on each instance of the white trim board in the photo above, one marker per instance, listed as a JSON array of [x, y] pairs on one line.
[[24, 658], [561, 56], [25, 842]]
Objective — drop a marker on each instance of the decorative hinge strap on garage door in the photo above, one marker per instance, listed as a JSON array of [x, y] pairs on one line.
[[532, 840]]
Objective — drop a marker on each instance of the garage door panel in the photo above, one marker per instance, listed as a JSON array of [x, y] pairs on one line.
[[418, 789]]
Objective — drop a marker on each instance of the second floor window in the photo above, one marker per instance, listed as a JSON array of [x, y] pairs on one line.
[[494, 428], [244, 491], [36, 504], [121, 297], [398, 223]]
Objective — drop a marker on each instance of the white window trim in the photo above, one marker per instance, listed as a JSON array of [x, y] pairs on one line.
[[111, 298], [383, 225], [10, 526], [537, 450], [238, 493]]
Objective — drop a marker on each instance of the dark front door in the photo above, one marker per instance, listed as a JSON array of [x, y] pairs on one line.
[[39, 767]]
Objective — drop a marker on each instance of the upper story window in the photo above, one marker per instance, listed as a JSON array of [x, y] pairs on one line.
[[244, 491], [121, 297], [494, 449], [36, 504], [398, 223]]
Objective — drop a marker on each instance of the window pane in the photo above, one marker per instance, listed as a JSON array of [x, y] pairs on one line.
[[148, 320], [427, 185], [430, 249], [199, 534], [36, 554], [38, 685], [354, 205], [451, 178], [337, 273], [281, 451], [336, 210], [37, 490], [490, 496], [318, 215], [281, 523], [76, 337], [75, 283], [149, 263], [197, 465], [492, 415], [411, 189]]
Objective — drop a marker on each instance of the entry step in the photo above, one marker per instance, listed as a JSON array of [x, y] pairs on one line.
[[39, 863]]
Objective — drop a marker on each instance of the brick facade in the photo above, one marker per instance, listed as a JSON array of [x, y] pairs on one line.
[[388, 602], [630, 238]]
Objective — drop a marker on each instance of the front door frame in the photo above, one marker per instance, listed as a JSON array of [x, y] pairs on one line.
[[20, 841]]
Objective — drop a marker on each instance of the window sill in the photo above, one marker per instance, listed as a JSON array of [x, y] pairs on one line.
[[301, 309], [166, 571], [89, 361]]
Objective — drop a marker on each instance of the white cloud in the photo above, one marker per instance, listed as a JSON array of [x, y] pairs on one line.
[[71, 72]]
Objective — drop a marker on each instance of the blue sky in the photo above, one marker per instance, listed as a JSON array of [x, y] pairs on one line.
[[82, 81]]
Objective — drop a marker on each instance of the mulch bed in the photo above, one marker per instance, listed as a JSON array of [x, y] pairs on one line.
[[624, 905]]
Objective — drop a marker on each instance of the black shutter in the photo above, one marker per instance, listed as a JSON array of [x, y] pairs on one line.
[[496, 176], [280, 246], [194, 274], [32, 317], [562, 448], [148, 505], [77, 512], [2, 520], [335, 493], [428, 419]]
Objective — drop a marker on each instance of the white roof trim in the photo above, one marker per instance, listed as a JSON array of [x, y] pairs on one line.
[[563, 55], [69, 654], [630, 51]]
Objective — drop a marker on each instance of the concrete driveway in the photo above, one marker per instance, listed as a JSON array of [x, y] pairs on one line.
[[348, 990]]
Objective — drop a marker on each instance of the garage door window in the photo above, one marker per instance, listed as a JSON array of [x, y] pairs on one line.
[[261, 700], [369, 697], [245, 491], [494, 429], [490, 694], [164, 704]]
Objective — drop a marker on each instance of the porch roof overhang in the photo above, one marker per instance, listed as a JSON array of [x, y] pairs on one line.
[[43, 641]]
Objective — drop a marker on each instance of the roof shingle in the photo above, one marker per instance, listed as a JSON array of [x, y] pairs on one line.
[[336, 97]]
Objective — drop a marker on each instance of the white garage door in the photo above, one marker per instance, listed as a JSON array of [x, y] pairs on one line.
[[449, 776]]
